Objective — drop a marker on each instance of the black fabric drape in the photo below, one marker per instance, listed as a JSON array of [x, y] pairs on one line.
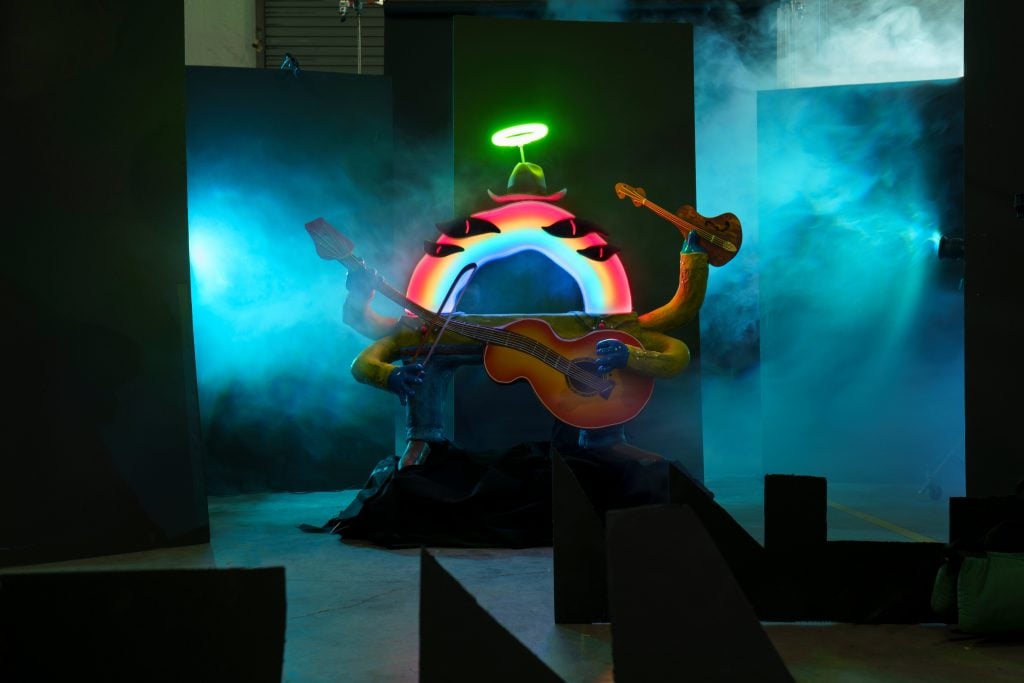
[[459, 498]]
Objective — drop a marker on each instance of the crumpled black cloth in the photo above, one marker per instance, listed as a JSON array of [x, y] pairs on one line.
[[459, 498]]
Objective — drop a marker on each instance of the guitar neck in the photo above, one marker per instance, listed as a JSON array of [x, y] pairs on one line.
[[353, 263], [489, 335], [532, 347], [492, 335], [332, 245], [683, 225], [482, 333]]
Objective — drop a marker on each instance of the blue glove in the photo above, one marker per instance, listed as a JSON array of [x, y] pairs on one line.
[[361, 282], [404, 379], [692, 244], [612, 354]]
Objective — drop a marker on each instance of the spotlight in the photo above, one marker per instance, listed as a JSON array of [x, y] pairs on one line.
[[951, 247], [345, 5], [290, 63]]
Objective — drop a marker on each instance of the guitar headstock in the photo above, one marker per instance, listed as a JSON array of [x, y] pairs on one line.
[[637, 194], [330, 244]]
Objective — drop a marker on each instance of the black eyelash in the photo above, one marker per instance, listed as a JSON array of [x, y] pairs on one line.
[[599, 252], [573, 227], [441, 250], [466, 227]]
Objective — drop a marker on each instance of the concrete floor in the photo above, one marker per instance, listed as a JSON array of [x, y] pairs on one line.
[[353, 608]]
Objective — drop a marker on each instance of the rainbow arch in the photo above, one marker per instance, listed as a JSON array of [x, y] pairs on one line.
[[603, 284]]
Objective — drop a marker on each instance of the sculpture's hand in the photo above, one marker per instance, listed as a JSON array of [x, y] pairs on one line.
[[692, 244], [360, 282], [612, 354], [404, 379]]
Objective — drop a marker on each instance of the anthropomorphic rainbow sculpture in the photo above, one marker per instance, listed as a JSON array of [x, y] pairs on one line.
[[592, 369]]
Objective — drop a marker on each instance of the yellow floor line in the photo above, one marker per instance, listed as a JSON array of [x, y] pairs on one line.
[[912, 535]]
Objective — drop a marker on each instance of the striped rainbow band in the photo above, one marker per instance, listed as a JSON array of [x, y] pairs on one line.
[[603, 284]]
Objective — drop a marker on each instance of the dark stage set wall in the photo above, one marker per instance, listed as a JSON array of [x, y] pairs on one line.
[[994, 226], [618, 99], [101, 443]]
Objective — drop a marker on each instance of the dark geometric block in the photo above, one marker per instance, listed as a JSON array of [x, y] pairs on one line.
[[970, 518], [677, 611], [878, 582], [795, 509], [460, 641], [578, 553], [858, 582], [162, 625]]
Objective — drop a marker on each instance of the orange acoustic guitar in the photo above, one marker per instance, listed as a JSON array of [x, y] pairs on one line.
[[561, 372], [720, 236]]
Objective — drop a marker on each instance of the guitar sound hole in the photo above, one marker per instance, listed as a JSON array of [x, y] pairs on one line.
[[588, 365]]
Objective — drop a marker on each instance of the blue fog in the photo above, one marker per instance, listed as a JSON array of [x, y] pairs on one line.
[[831, 345]]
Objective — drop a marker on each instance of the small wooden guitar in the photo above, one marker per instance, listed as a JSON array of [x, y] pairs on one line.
[[720, 236], [561, 372]]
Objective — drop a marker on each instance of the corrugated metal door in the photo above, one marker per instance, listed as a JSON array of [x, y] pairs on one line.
[[320, 37]]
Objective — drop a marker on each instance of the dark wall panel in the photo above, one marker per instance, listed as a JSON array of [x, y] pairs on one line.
[[101, 441], [994, 174], [618, 100]]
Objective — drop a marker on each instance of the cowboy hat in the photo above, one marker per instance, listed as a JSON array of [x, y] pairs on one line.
[[527, 182]]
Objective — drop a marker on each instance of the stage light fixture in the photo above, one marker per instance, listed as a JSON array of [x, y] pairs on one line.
[[290, 63], [357, 5], [951, 247]]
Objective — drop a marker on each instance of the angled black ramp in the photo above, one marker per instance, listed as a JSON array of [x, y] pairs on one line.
[[460, 641], [744, 555], [168, 625], [578, 553], [677, 612]]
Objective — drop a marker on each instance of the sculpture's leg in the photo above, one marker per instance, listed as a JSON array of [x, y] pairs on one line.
[[425, 412]]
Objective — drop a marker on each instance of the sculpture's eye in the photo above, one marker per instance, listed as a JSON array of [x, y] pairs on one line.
[[599, 252], [466, 227], [441, 250], [573, 227]]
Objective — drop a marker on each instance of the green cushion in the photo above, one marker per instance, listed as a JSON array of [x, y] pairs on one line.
[[943, 592], [990, 593]]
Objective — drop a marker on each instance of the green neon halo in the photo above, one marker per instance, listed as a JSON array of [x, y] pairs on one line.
[[517, 136]]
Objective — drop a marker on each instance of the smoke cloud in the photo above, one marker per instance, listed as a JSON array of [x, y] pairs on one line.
[[760, 359]]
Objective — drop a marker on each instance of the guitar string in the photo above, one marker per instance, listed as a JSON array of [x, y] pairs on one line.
[[714, 239], [501, 337], [509, 339], [523, 343], [531, 347], [534, 348]]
